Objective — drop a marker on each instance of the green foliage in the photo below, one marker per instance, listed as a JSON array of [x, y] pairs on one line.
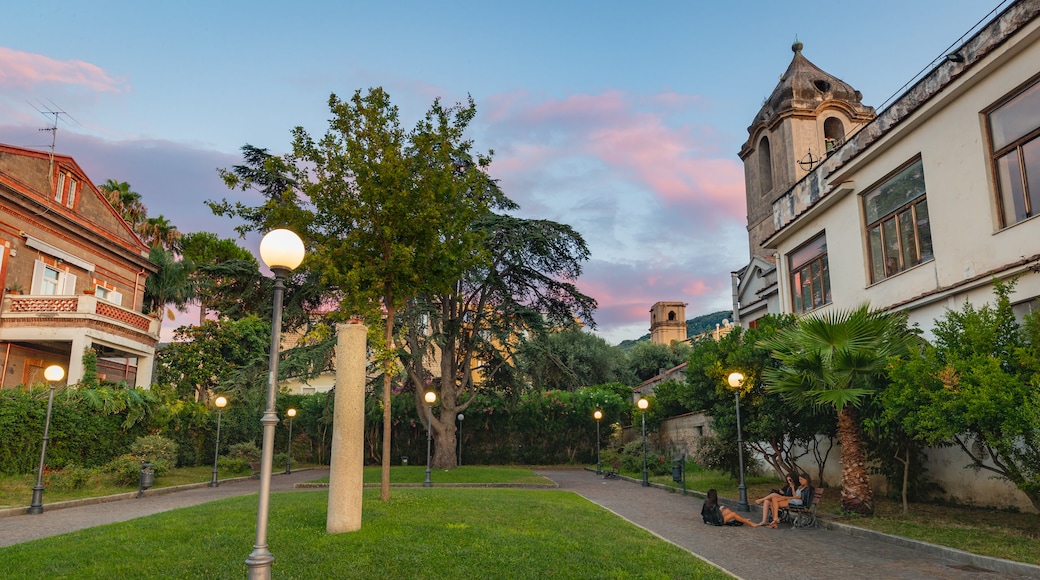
[[172, 284], [977, 388], [90, 373], [646, 360], [246, 450], [568, 359], [227, 356], [125, 470], [72, 477], [158, 450], [233, 465]]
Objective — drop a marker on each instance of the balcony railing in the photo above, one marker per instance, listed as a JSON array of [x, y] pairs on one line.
[[86, 306]]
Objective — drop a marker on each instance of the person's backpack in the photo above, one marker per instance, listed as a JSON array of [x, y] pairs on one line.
[[713, 516]]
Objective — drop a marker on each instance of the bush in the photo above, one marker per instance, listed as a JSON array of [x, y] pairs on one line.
[[125, 470], [247, 451], [233, 465], [74, 477], [631, 458], [157, 449]]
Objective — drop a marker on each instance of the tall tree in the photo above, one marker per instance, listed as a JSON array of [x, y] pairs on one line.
[[171, 286], [159, 232], [392, 211], [125, 201], [475, 329], [839, 360], [223, 270], [569, 358], [647, 359]]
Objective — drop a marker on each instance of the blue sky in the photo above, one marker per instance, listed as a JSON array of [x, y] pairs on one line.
[[621, 119]]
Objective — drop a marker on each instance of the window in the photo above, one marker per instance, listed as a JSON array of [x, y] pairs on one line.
[[72, 193], [810, 276], [1013, 130], [50, 281], [833, 134], [765, 166], [60, 189], [899, 234]]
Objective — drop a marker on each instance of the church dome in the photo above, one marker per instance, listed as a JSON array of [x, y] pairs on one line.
[[804, 86]]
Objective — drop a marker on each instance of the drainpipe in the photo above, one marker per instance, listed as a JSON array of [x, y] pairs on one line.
[[137, 281], [735, 285]]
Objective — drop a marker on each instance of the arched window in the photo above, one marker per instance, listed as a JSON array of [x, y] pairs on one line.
[[671, 316], [765, 166], [833, 133]]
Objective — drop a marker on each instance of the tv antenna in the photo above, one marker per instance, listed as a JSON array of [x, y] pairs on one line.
[[57, 111]]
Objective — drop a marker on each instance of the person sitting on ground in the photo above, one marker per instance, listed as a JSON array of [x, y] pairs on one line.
[[717, 515], [772, 503]]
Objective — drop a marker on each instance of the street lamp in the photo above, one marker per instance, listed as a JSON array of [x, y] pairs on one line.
[[643, 404], [288, 452], [736, 380], [460, 417], [431, 398], [282, 251], [220, 402], [599, 464], [53, 374]]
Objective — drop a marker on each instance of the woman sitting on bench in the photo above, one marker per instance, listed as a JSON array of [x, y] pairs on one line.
[[711, 510], [774, 501]]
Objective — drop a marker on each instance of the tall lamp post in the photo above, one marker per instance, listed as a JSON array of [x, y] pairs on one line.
[[460, 417], [220, 402], [643, 404], [53, 374], [599, 464], [282, 251], [736, 380], [288, 452], [431, 398]]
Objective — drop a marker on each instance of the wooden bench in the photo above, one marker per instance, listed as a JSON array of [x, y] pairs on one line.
[[803, 516]]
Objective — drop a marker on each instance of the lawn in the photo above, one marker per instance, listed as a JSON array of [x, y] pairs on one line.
[[419, 533]]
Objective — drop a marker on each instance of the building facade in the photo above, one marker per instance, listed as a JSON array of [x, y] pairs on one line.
[[72, 273]]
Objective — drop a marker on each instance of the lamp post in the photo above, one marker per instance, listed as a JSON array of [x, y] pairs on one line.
[[643, 404], [282, 251], [220, 402], [460, 417], [599, 464], [288, 452], [736, 380], [53, 374], [431, 398]]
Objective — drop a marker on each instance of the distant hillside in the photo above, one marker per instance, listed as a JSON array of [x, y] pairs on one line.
[[694, 326]]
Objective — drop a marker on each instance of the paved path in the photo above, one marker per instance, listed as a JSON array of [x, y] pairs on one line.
[[762, 553], [748, 553], [52, 522]]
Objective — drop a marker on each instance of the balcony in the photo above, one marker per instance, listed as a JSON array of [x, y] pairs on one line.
[[85, 311]]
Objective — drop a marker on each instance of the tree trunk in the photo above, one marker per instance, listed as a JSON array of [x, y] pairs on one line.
[[856, 494], [384, 488]]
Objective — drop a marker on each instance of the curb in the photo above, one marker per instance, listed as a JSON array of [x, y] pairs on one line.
[[988, 562], [19, 511], [442, 485]]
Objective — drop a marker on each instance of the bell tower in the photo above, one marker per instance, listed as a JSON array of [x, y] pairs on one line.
[[807, 116], [668, 322]]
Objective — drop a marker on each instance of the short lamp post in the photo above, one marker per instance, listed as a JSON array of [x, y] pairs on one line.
[[53, 374], [282, 251], [643, 404], [598, 415], [288, 452], [220, 403], [460, 417], [736, 381], [431, 398]]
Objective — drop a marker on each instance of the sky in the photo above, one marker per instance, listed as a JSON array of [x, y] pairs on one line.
[[621, 119]]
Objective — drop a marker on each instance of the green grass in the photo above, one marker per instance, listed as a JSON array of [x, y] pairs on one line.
[[419, 533], [464, 474]]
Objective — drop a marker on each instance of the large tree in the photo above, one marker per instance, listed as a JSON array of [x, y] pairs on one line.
[[227, 276], [839, 360], [568, 359], [474, 330]]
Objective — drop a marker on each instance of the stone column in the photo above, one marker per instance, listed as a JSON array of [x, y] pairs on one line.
[[348, 431]]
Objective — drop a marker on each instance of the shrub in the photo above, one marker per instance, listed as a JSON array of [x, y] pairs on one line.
[[74, 477], [247, 451], [233, 465], [157, 449], [125, 470]]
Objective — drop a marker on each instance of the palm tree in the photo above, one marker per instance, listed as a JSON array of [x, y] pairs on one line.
[[158, 231], [125, 201], [839, 359], [172, 284]]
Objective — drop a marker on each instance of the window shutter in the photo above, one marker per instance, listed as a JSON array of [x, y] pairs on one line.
[[115, 298], [69, 284], [37, 278]]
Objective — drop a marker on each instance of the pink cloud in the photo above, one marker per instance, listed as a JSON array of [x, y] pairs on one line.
[[25, 69]]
